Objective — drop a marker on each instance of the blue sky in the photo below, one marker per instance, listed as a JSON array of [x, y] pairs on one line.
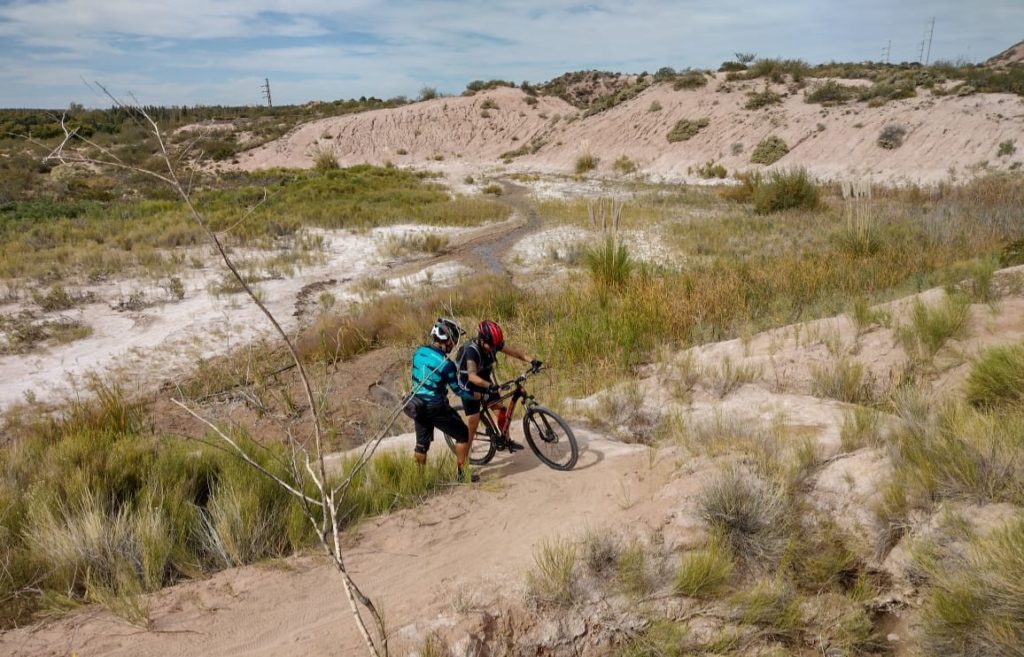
[[188, 52]]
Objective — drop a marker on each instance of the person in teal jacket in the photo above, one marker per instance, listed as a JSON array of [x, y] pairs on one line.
[[433, 374]]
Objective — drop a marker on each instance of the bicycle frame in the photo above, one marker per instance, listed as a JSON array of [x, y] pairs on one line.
[[518, 393]]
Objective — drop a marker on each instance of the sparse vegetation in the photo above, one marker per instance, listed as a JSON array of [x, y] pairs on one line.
[[996, 378], [759, 99], [830, 92], [891, 136], [705, 572], [1006, 148], [749, 513], [712, 169], [783, 190], [769, 150], [610, 264], [930, 327], [625, 166], [655, 106], [551, 581], [586, 162], [686, 129]]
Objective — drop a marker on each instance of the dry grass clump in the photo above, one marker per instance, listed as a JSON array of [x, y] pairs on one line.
[[397, 246], [551, 581], [705, 572], [996, 377], [975, 605], [931, 327], [610, 264], [750, 513], [783, 190], [586, 162], [632, 573], [395, 319], [862, 427], [891, 136], [846, 380], [772, 606]]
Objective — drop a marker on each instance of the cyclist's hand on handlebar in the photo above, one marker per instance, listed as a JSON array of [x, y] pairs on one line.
[[494, 389], [536, 364]]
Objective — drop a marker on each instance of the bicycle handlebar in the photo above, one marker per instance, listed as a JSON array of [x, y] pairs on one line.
[[521, 378]]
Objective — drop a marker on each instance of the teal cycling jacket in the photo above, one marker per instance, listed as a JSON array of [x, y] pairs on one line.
[[432, 368]]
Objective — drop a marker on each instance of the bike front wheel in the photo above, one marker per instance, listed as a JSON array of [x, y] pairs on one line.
[[485, 443], [550, 438]]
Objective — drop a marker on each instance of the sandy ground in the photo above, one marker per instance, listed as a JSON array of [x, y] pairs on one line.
[[948, 137], [413, 563]]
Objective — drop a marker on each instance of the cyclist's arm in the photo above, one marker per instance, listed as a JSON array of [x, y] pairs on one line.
[[473, 377], [515, 353]]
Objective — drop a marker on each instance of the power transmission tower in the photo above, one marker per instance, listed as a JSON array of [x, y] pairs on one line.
[[266, 91], [887, 51], [931, 31]]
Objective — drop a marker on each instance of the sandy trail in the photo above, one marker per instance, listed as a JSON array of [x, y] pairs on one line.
[[411, 563]]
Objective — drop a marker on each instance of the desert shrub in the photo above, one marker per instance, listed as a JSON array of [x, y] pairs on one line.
[[690, 80], [494, 189], [655, 106], [428, 93], [551, 580], [600, 551], [704, 573], [660, 638], [759, 99], [830, 92], [625, 166], [489, 104], [586, 162], [712, 169], [769, 150], [731, 67], [610, 265], [56, 298], [750, 514], [996, 377], [1006, 148], [891, 136], [782, 190], [686, 129], [975, 605], [883, 91], [776, 70]]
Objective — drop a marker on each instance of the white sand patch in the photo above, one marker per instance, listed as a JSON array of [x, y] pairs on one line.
[[565, 245], [153, 344]]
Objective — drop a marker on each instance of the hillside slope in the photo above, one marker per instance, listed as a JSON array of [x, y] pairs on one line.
[[946, 137]]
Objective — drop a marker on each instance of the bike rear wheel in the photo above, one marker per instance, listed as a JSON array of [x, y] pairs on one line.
[[484, 443], [550, 438]]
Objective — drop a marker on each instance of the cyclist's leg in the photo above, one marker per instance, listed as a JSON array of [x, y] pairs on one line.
[[471, 407], [448, 421], [424, 435]]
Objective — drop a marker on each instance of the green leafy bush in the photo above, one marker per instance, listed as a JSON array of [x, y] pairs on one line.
[[782, 190], [769, 150], [686, 129]]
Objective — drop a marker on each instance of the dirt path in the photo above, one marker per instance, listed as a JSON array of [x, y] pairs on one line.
[[414, 563]]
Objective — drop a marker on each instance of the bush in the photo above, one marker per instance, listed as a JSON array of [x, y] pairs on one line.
[[586, 162], [770, 150], [757, 100], [690, 80], [1006, 148], [711, 169], [428, 93], [655, 106], [750, 514], [891, 136], [782, 190], [845, 380], [494, 189], [931, 327], [489, 104], [997, 377], [686, 129], [830, 92], [625, 166]]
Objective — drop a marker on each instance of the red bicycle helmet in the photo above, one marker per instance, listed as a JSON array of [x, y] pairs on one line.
[[490, 333]]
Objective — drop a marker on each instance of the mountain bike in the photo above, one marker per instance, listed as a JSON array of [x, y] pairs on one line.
[[547, 434]]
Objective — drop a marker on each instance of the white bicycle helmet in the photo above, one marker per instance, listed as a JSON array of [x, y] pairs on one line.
[[445, 330]]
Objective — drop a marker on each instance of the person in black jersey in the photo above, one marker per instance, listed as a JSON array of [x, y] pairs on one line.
[[476, 374]]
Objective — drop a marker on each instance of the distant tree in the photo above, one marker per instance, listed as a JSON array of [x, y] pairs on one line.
[[746, 57]]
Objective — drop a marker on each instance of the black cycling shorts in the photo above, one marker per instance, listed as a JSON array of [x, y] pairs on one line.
[[473, 406], [443, 417]]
